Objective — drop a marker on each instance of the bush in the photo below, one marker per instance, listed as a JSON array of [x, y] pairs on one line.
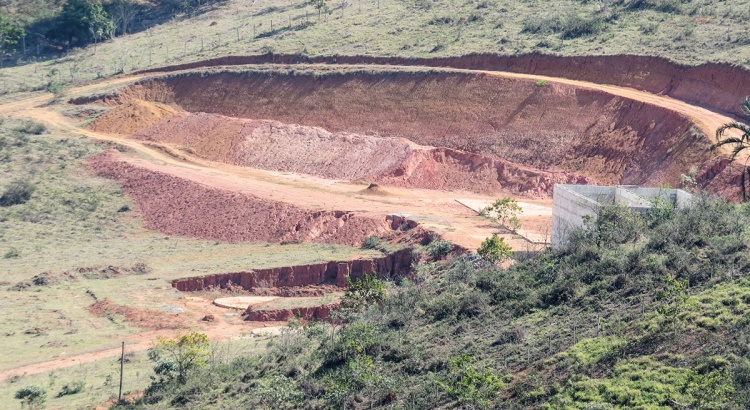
[[16, 193], [31, 128], [439, 249], [33, 397], [371, 242], [495, 249], [73, 388]]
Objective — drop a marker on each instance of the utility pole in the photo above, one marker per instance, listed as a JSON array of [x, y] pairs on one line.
[[122, 365]]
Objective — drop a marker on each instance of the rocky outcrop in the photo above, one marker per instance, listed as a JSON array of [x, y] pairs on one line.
[[393, 266]]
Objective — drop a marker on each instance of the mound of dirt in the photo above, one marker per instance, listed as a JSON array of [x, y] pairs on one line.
[[273, 145], [375, 189], [277, 146], [607, 138], [131, 116], [180, 207]]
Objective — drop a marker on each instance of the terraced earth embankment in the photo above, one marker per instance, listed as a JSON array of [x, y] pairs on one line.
[[428, 129]]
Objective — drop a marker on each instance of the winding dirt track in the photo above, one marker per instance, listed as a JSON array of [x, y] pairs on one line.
[[433, 209]]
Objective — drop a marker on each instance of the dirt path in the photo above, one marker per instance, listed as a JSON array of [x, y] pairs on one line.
[[222, 328]]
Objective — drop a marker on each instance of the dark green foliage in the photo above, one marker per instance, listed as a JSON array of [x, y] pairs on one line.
[[568, 27], [32, 397], [11, 34], [439, 249], [362, 292], [16, 193], [72, 388], [81, 22], [576, 327]]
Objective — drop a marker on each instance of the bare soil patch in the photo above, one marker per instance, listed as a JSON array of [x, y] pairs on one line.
[[144, 318], [555, 127], [181, 207]]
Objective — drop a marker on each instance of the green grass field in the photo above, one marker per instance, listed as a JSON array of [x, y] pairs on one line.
[[693, 32]]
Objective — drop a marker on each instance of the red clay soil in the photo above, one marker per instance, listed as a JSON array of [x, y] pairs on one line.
[[180, 207], [610, 139], [717, 86], [393, 266], [277, 146], [147, 319], [278, 315], [130, 117]]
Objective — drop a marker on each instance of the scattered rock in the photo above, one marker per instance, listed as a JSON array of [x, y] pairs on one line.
[[208, 318]]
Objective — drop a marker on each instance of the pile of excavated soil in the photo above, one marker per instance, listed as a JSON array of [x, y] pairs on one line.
[[273, 145], [277, 146], [131, 116], [557, 127], [180, 207]]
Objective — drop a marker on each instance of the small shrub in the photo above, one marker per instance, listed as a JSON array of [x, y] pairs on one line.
[[31, 128], [541, 83], [495, 249], [72, 388], [439, 249], [12, 253], [33, 397], [54, 87], [371, 242], [18, 192], [471, 384]]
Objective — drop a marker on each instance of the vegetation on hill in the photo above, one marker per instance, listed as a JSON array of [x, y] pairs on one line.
[[154, 34], [638, 311]]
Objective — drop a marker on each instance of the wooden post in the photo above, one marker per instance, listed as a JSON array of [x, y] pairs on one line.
[[122, 365]]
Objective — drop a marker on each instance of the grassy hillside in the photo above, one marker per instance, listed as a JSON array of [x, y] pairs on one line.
[[692, 31], [75, 235], [637, 312]]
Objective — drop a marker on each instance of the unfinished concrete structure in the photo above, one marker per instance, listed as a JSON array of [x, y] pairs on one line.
[[572, 203]]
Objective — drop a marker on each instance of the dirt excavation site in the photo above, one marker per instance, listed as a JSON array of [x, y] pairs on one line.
[[283, 151]]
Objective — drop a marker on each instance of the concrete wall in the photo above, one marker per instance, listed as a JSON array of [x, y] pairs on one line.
[[572, 203]]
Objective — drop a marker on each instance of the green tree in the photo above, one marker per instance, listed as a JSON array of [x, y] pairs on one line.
[[739, 143], [10, 34], [32, 397], [321, 6], [177, 356], [80, 22], [494, 249], [505, 211]]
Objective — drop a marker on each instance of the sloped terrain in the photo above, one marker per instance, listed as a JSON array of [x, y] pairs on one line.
[[180, 207], [484, 128]]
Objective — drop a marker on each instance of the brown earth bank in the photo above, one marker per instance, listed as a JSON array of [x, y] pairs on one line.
[[276, 146], [717, 86], [557, 127], [131, 116], [394, 266], [181, 207], [278, 315]]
